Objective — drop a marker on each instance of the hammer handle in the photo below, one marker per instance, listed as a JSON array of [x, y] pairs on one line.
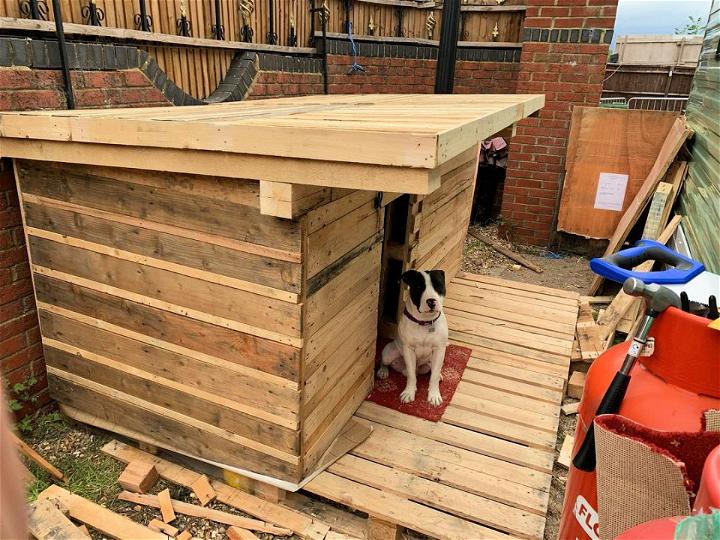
[[610, 404]]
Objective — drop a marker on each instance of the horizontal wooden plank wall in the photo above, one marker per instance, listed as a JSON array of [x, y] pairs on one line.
[[344, 241], [479, 20], [441, 224], [170, 306]]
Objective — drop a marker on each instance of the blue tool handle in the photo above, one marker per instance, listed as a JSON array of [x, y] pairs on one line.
[[619, 266]]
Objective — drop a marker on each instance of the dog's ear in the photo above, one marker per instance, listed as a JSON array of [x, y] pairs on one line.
[[437, 278], [412, 277]]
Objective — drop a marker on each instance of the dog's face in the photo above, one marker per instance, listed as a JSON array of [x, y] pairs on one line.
[[427, 289]]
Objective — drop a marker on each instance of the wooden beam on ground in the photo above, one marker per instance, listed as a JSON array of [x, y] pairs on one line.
[[30, 453], [570, 408], [237, 533], [166, 506], [586, 332], [565, 457], [160, 526], [383, 530], [206, 513], [505, 251], [102, 519], [47, 521], [203, 490], [138, 476], [677, 136], [300, 523], [576, 385]]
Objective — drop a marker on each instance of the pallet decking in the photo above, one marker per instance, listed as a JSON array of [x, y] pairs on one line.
[[484, 470], [207, 278]]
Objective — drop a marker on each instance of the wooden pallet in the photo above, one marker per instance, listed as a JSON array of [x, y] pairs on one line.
[[484, 471]]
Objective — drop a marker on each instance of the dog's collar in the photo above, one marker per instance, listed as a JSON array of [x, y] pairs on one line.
[[421, 323]]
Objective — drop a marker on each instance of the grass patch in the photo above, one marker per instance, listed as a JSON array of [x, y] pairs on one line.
[[76, 452]]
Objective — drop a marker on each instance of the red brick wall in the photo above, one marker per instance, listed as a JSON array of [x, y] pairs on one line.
[[417, 76], [20, 349], [22, 89], [283, 84], [25, 89], [568, 74]]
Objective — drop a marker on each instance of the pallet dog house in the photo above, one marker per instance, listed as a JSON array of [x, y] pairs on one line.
[[210, 279]]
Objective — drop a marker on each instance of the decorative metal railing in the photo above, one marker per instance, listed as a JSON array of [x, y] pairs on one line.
[[289, 23]]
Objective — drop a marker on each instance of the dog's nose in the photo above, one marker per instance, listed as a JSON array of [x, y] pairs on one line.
[[431, 302]]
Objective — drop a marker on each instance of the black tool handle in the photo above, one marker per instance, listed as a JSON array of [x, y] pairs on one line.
[[610, 404]]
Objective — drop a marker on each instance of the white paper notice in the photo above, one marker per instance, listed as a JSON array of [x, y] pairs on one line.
[[611, 191]]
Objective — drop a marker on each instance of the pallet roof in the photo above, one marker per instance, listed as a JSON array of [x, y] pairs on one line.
[[399, 143]]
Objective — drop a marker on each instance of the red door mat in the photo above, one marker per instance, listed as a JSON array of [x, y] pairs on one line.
[[387, 392]]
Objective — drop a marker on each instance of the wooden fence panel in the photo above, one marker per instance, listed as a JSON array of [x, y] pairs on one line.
[[479, 21]]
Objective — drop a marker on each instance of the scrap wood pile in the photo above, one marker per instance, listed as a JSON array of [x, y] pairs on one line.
[[600, 318], [58, 513]]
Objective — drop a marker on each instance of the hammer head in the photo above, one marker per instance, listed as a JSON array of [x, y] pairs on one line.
[[659, 298]]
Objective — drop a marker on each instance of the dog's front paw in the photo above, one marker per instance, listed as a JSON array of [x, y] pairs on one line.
[[408, 395], [434, 398], [382, 372]]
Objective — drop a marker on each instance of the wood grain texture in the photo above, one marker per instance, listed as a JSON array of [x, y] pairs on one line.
[[607, 141]]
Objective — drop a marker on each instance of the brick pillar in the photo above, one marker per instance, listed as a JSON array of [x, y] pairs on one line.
[[565, 47]]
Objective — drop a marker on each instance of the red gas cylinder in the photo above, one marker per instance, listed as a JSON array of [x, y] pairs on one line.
[[669, 391]]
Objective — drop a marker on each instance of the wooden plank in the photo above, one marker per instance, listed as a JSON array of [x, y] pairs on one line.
[[565, 457], [342, 521], [503, 411], [274, 359], [661, 198], [534, 438], [31, 454], [518, 285], [138, 476], [168, 249], [97, 517], [159, 526], [207, 301], [203, 490], [461, 438], [300, 523], [440, 496], [167, 206], [505, 251], [396, 509], [275, 169], [607, 141], [46, 521], [121, 412], [570, 408], [576, 385], [202, 512], [377, 529], [237, 533], [268, 411], [676, 137]]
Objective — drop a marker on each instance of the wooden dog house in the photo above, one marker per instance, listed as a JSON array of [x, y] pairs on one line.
[[208, 278]]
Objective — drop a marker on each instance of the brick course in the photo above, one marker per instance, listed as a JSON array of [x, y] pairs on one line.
[[563, 57]]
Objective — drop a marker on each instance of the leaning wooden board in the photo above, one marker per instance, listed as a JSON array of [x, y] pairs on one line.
[[607, 141], [192, 303]]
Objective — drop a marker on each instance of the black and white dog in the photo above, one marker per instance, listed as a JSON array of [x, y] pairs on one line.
[[422, 335]]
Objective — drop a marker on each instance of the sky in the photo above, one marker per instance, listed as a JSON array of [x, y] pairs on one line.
[[657, 16]]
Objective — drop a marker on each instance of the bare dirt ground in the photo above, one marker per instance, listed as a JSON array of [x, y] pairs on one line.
[[561, 271]]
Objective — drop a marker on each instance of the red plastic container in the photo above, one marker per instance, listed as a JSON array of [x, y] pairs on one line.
[[669, 391]]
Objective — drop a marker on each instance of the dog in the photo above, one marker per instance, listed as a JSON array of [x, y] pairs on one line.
[[422, 335]]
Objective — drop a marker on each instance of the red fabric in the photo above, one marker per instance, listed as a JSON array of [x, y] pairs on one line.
[[387, 392]]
